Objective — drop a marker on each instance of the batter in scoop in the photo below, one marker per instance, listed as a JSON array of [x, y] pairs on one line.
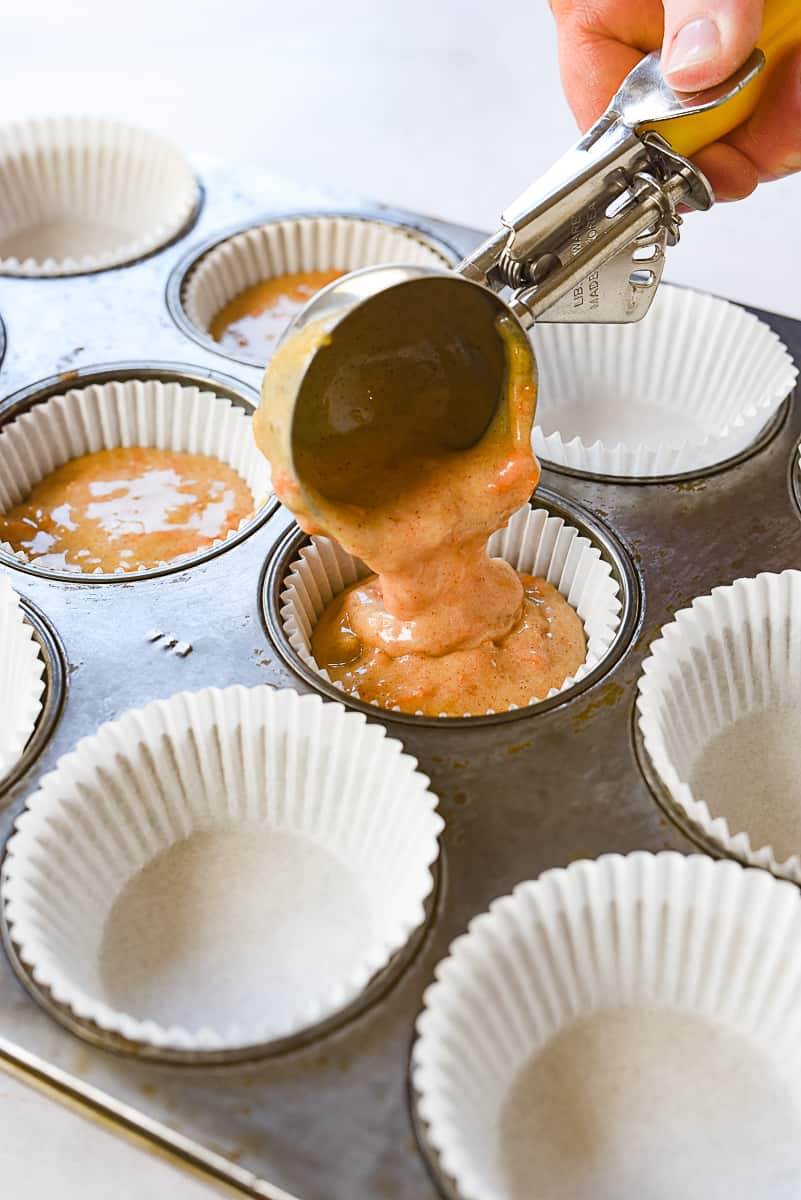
[[441, 628], [126, 509]]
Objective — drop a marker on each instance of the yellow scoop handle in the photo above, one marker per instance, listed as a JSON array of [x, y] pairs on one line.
[[781, 32]]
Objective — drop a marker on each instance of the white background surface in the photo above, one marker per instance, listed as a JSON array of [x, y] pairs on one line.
[[446, 106]]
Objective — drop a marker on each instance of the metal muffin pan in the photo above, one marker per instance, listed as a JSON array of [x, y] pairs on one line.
[[331, 1119]]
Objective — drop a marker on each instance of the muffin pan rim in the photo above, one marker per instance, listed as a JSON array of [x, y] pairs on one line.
[[762, 854], [683, 297], [240, 393], [794, 477], [48, 121], [678, 818], [445, 1184], [769, 431], [388, 978], [185, 230], [179, 275], [614, 550], [54, 695]]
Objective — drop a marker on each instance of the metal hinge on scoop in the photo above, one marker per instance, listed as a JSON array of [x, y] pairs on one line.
[[586, 242]]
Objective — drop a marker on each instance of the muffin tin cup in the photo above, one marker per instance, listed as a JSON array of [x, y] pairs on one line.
[[293, 244], [127, 412], [81, 194], [691, 386], [718, 716], [21, 678], [534, 542], [589, 979], [220, 870]]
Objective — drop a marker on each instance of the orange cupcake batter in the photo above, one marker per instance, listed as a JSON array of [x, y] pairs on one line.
[[256, 318], [126, 509], [441, 628], [545, 644]]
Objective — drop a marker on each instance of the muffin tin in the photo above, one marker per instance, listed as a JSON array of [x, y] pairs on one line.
[[331, 1118]]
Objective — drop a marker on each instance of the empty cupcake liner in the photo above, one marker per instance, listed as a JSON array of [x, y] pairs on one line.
[[21, 678], [82, 194], [690, 386], [533, 542], [718, 710], [297, 244], [129, 412], [221, 869], [623, 1027]]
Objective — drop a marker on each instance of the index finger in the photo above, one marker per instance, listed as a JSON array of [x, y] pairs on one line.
[[600, 41]]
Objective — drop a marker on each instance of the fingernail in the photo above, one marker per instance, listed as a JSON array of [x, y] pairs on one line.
[[790, 163], [696, 42]]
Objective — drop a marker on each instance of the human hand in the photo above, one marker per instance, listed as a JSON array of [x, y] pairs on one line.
[[703, 42]]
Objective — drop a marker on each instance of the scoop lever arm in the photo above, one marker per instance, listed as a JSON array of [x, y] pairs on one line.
[[586, 242]]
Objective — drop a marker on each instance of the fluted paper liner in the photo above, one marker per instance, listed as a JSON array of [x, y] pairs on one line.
[[21, 678], [533, 542], [131, 412], [691, 385], [82, 194], [718, 711], [639, 938], [342, 826], [298, 244]]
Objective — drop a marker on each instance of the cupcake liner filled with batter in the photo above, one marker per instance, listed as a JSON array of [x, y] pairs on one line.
[[627, 1027], [719, 711], [21, 678], [125, 476], [243, 292], [534, 544], [221, 869], [81, 194], [691, 385]]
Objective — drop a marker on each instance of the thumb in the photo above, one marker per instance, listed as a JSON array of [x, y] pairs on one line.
[[705, 42]]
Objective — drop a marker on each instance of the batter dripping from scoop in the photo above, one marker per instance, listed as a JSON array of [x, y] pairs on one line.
[[441, 628]]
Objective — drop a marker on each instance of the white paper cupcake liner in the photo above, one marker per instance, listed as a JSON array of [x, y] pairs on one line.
[[719, 710], [621, 1028], [82, 194], [533, 542], [691, 385], [297, 244], [131, 412], [221, 869], [21, 678]]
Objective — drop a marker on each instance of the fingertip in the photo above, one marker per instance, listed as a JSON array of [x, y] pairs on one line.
[[690, 57], [705, 42]]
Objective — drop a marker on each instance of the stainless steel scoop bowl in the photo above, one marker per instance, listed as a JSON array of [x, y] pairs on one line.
[[413, 355], [416, 352]]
